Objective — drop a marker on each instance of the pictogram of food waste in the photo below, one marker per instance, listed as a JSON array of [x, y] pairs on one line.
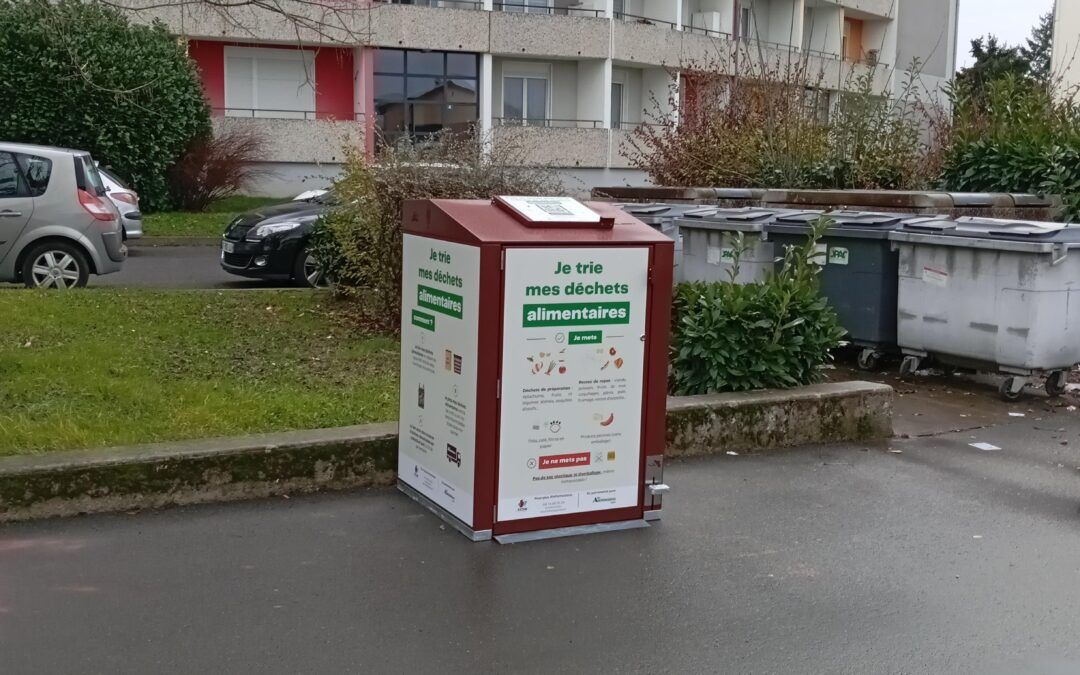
[[609, 357], [548, 363]]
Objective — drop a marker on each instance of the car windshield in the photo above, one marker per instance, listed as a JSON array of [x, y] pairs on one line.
[[327, 198], [112, 178]]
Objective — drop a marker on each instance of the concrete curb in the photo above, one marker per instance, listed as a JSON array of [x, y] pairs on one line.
[[227, 469], [152, 242]]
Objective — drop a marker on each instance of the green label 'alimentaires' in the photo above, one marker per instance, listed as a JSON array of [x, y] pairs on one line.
[[575, 314], [439, 301]]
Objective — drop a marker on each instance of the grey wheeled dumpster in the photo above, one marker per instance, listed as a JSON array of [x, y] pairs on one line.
[[711, 244], [993, 295], [858, 273], [662, 218]]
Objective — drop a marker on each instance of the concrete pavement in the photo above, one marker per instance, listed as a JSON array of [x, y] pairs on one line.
[[935, 557]]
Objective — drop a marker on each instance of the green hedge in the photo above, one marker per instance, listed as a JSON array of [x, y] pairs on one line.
[[78, 75]]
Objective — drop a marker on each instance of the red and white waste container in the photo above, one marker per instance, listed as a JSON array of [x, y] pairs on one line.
[[534, 344]]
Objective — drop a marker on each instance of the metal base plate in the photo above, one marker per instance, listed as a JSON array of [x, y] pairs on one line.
[[537, 535], [475, 535], [652, 515]]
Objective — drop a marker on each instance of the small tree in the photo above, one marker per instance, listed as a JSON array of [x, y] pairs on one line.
[[79, 75], [1039, 49]]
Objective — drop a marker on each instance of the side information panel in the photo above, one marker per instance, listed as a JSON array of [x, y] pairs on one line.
[[439, 310], [572, 380]]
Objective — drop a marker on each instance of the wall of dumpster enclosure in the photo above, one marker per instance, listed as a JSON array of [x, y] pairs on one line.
[[910, 278]]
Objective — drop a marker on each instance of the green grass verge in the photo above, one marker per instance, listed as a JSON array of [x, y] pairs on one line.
[[209, 223], [97, 367]]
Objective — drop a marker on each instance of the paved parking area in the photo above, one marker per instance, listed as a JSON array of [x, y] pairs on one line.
[[924, 555]]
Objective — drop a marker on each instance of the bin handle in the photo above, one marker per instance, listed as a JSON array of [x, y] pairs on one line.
[[1061, 252]]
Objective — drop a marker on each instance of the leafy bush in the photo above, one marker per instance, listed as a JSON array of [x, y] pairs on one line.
[[772, 334], [215, 167], [1015, 136], [78, 75], [359, 243]]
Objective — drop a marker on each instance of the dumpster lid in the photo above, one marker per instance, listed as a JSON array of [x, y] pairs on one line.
[[746, 214], [993, 228], [552, 212], [845, 218]]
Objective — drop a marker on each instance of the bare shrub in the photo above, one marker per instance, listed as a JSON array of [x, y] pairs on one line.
[[359, 242], [216, 166]]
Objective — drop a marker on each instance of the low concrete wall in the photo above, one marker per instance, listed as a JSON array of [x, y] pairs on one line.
[[762, 421], [218, 470]]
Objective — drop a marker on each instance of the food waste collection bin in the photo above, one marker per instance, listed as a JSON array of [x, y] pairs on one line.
[[858, 275], [534, 340], [711, 244], [992, 295]]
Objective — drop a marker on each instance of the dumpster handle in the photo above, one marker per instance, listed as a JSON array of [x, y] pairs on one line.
[[1061, 252]]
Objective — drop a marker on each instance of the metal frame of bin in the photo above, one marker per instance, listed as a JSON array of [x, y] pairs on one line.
[[1006, 238]]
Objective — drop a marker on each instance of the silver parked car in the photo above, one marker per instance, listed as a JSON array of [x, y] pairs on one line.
[[126, 202], [57, 227]]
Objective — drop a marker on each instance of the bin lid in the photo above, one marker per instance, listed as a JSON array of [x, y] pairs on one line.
[[852, 224], [989, 233], [659, 213], [744, 219]]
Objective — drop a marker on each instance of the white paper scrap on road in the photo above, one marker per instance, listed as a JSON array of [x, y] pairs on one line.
[[1012, 414], [984, 446]]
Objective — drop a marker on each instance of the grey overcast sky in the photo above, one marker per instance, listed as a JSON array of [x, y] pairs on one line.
[[1010, 20]]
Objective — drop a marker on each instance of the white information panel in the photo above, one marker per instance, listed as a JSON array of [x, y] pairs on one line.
[[439, 316], [572, 380], [553, 209]]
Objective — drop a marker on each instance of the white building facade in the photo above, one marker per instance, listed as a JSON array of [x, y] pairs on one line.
[[567, 79]]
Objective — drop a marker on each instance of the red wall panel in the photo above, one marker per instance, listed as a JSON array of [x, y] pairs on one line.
[[334, 83], [210, 58]]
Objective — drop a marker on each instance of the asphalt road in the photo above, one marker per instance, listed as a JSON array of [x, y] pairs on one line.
[[150, 266], [939, 558]]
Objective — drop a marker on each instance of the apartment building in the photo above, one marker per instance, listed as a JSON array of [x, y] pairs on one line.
[[568, 80], [1066, 59]]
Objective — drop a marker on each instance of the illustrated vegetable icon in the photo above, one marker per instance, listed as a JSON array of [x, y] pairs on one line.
[[608, 421]]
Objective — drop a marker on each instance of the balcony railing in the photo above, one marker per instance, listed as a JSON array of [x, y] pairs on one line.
[[547, 122], [444, 4], [521, 7], [648, 21], [279, 114]]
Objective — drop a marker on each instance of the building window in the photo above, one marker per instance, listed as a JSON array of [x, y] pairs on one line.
[[530, 6], [746, 22], [422, 93], [261, 82], [616, 105], [619, 8], [525, 100]]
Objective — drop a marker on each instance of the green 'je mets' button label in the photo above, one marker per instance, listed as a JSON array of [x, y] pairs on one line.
[[586, 337], [423, 320]]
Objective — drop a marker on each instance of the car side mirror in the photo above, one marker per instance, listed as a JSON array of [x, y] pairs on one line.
[[102, 191]]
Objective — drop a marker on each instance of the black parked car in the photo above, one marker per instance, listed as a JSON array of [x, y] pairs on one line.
[[271, 242]]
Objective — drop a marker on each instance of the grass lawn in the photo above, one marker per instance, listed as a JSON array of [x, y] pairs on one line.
[[97, 367], [209, 223]]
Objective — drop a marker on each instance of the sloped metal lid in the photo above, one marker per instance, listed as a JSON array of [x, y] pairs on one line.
[[994, 228], [842, 219]]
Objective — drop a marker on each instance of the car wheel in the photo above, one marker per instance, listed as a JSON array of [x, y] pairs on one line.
[[308, 272], [55, 265]]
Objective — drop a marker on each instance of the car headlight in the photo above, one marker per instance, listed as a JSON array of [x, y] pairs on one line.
[[263, 231]]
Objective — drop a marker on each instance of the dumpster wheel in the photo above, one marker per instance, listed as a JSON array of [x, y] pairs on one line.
[[1056, 382], [869, 359], [1012, 388], [908, 366]]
